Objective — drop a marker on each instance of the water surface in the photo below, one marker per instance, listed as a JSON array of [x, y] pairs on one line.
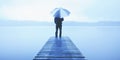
[[95, 42]]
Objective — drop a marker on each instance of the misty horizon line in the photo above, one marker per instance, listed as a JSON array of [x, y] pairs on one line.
[[53, 20], [51, 23]]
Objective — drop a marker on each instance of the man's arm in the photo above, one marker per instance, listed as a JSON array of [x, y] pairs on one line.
[[55, 20], [62, 19]]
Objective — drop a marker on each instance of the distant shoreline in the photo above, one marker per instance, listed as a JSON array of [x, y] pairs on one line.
[[65, 23]]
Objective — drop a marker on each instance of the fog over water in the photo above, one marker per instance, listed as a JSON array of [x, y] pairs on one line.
[[95, 42]]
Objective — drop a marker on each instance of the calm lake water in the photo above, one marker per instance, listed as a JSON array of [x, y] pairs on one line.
[[95, 42]]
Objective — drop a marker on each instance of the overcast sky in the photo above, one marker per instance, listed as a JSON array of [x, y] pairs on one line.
[[81, 10]]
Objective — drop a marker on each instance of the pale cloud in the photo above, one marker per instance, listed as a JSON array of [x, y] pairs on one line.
[[39, 10]]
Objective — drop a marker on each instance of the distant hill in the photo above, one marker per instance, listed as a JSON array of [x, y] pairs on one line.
[[24, 23], [65, 23], [102, 23]]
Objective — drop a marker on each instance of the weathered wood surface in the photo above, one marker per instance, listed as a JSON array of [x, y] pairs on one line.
[[59, 49]]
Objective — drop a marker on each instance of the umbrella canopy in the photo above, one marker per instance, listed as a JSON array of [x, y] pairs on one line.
[[60, 12]]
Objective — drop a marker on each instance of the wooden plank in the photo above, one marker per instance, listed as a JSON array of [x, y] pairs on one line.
[[59, 49]]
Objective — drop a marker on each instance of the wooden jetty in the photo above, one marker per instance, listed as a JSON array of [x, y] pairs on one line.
[[59, 49]]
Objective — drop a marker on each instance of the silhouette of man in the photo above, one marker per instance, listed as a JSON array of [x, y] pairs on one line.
[[58, 22]]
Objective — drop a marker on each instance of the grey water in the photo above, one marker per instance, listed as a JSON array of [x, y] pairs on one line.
[[94, 42]]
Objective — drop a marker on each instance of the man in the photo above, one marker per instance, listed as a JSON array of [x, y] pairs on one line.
[[58, 22]]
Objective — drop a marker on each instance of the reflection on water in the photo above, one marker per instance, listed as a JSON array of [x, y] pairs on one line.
[[96, 43]]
